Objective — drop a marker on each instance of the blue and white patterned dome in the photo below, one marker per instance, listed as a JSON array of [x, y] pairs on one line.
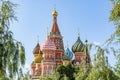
[[69, 53]]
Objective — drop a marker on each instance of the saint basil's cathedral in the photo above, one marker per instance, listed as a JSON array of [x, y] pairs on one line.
[[51, 52]]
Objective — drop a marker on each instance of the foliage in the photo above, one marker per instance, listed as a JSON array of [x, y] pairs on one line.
[[12, 52], [115, 12], [115, 18], [65, 57], [100, 68], [65, 72], [82, 73], [26, 76], [115, 37]]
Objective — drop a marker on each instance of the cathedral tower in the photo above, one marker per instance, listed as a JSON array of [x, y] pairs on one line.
[[36, 64], [48, 63], [78, 50], [56, 38], [81, 52]]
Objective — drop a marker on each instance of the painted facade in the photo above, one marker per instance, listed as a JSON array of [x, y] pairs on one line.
[[51, 52]]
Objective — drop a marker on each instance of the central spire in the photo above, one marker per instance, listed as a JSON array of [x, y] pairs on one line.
[[55, 29]]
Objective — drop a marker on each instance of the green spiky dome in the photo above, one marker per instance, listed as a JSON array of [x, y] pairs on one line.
[[78, 46]]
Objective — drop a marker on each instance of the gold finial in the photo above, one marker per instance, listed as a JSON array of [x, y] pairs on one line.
[[54, 13]]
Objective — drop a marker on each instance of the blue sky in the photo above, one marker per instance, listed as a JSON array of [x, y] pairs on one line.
[[88, 17]]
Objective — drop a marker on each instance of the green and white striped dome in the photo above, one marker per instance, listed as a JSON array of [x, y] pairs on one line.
[[78, 46]]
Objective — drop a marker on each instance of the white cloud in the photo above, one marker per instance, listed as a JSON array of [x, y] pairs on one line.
[[96, 43]]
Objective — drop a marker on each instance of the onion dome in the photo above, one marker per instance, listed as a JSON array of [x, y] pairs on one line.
[[78, 46], [54, 13], [69, 53], [48, 45], [36, 49], [38, 59]]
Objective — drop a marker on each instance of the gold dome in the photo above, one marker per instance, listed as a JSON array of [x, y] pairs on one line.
[[38, 59], [54, 13]]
